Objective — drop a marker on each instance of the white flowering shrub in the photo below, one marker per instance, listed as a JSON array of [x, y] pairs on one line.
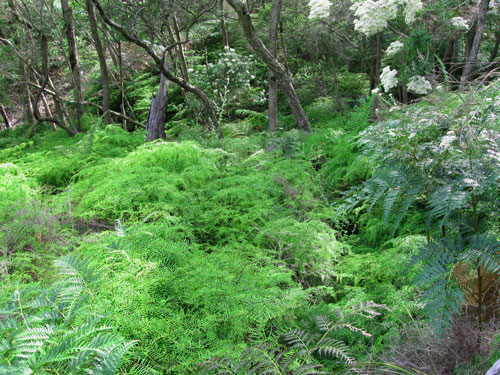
[[394, 48], [388, 78], [443, 156], [459, 23], [419, 85], [372, 16], [319, 9], [231, 82]]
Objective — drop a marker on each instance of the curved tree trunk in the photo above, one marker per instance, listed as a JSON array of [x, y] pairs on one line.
[[272, 63]]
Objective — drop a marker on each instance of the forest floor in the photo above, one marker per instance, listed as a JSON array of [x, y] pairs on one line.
[[207, 247]]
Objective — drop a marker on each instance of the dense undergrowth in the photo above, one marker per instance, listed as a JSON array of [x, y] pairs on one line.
[[209, 247]]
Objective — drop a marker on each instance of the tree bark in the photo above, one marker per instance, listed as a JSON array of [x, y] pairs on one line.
[[273, 47], [44, 48], [207, 103], [471, 60], [180, 49], [73, 58], [272, 63], [223, 28], [376, 61], [102, 61], [157, 116], [494, 52], [5, 117]]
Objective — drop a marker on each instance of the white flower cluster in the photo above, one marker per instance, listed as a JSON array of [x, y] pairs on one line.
[[419, 85], [372, 15], [394, 48], [388, 78], [319, 8], [411, 10], [459, 23]]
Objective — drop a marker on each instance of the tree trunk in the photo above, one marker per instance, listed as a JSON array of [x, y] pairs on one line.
[[273, 47], [102, 61], [471, 60], [122, 89], [376, 61], [272, 63], [44, 48], [207, 103], [157, 116], [223, 28], [180, 50], [494, 52], [5, 117], [73, 58], [29, 116]]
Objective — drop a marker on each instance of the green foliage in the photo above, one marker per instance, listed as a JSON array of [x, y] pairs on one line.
[[47, 330], [183, 304], [301, 347], [53, 158], [151, 180], [448, 166]]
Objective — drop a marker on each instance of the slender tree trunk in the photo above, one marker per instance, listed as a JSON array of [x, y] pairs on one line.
[[44, 47], [73, 58], [157, 116], [223, 28], [5, 117], [102, 61], [494, 51], [29, 116], [376, 61], [180, 50], [471, 60], [272, 63], [273, 47], [363, 50], [122, 89], [448, 55]]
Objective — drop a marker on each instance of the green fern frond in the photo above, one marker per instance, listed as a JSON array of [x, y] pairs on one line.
[[75, 268], [334, 348]]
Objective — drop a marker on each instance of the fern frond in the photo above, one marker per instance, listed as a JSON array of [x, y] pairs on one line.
[[334, 348], [299, 340], [76, 268]]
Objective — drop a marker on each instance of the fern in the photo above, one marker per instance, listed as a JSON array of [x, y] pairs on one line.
[[301, 348], [52, 332]]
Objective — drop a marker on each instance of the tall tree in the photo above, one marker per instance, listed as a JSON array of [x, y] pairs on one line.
[[272, 63], [223, 27], [273, 47], [474, 50], [69, 30], [101, 55]]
